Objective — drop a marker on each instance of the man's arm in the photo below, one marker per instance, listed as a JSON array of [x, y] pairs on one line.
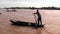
[[34, 13]]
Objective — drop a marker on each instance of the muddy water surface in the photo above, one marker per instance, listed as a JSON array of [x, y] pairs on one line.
[[51, 19]]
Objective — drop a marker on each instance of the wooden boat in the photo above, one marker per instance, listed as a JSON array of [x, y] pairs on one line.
[[21, 23]]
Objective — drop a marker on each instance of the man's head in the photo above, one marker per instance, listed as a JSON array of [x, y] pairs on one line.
[[37, 10]]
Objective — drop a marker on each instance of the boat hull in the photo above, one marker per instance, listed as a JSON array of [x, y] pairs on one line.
[[21, 23]]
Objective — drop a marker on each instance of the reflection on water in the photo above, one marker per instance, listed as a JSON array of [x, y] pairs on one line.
[[51, 19]]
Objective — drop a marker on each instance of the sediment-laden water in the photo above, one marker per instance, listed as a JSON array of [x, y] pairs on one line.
[[51, 19]]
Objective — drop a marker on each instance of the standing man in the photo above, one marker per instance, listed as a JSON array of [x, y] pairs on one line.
[[39, 17]]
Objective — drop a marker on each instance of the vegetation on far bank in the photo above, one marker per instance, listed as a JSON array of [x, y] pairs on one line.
[[48, 8]]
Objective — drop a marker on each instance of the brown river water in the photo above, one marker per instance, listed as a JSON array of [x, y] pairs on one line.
[[51, 19]]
